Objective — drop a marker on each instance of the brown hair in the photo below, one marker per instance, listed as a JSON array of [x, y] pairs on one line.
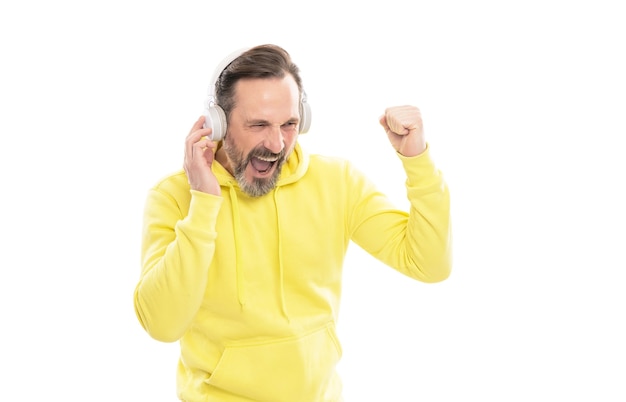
[[264, 61]]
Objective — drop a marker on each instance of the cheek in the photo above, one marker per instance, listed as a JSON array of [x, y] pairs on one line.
[[290, 140], [242, 143]]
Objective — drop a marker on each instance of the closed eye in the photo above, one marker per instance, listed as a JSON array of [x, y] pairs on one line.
[[262, 124], [258, 125]]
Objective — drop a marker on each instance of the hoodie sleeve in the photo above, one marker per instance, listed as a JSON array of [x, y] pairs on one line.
[[418, 243], [176, 252]]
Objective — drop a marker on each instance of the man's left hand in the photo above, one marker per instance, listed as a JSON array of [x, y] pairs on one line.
[[405, 130]]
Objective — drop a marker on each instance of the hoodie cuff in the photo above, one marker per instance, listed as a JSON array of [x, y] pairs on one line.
[[203, 207], [420, 170]]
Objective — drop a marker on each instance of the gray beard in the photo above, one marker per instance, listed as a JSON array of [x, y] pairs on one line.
[[259, 186]]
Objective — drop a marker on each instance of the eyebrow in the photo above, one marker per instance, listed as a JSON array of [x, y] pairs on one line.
[[257, 121], [262, 121]]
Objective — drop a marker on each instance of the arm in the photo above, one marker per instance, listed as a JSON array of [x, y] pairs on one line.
[[417, 244], [178, 244], [175, 255]]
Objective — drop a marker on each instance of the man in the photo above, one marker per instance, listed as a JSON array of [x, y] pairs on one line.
[[242, 249]]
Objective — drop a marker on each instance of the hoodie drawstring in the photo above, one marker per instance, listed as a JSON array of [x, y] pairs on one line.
[[241, 288], [236, 232], [281, 269]]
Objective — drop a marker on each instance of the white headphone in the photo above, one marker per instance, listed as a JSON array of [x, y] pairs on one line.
[[215, 117]]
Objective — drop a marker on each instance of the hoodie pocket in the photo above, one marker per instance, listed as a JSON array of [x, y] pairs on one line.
[[298, 368]]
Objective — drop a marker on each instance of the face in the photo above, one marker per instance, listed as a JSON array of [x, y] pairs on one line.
[[262, 132]]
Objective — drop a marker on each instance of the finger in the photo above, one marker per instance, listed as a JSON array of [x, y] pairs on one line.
[[402, 119], [198, 124], [196, 134], [203, 149], [390, 119], [383, 122], [396, 126], [198, 131]]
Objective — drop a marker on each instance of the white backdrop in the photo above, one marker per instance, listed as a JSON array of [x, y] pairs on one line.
[[523, 106]]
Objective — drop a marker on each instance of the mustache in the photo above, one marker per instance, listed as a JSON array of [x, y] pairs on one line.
[[262, 152]]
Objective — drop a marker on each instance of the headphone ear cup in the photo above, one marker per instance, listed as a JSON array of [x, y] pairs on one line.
[[305, 117], [215, 118]]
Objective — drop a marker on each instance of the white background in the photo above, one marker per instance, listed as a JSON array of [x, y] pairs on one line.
[[524, 107]]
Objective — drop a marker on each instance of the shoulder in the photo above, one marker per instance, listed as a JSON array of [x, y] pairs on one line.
[[174, 185], [335, 171], [172, 180], [326, 162], [334, 164]]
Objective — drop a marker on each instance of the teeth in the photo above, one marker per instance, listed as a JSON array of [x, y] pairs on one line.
[[267, 159]]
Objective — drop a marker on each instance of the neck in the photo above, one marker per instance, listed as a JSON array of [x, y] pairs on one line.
[[220, 156]]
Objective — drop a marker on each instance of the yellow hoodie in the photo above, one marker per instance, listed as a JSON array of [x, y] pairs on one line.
[[251, 286]]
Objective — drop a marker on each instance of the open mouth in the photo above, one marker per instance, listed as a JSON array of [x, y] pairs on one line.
[[263, 164]]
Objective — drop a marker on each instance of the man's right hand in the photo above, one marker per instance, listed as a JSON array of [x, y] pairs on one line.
[[199, 156]]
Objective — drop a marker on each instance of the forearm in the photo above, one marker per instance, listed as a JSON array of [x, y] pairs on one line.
[[429, 236], [416, 243], [176, 254]]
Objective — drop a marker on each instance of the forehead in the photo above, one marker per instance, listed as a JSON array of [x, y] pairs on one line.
[[264, 95]]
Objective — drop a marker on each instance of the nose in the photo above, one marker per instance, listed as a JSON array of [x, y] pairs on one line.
[[274, 140]]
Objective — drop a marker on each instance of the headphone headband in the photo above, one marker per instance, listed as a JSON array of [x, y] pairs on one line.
[[221, 67]]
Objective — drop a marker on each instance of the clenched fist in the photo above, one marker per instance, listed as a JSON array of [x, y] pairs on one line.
[[405, 130]]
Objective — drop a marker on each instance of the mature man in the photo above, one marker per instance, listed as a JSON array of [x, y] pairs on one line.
[[243, 249]]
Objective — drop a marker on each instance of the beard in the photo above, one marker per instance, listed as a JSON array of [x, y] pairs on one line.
[[239, 162]]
